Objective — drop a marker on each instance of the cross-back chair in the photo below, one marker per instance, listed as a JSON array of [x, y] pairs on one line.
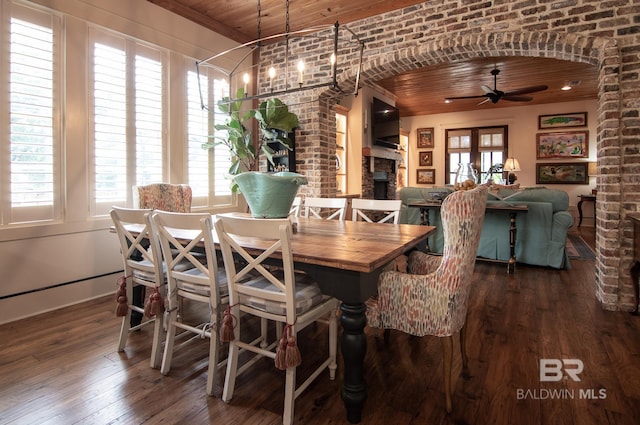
[[296, 206], [334, 207], [432, 298], [158, 196], [277, 292], [192, 276], [142, 261], [364, 209]]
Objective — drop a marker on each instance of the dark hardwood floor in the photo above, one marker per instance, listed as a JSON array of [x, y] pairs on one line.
[[62, 368]]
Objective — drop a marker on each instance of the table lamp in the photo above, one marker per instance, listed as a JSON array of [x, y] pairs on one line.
[[511, 165]]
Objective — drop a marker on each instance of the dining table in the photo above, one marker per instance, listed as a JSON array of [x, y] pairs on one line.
[[345, 258]]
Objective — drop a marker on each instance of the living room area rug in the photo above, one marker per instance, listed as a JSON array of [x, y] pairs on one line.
[[578, 249]]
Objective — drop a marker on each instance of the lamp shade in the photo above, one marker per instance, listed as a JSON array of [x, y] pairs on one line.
[[592, 168], [511, 164]]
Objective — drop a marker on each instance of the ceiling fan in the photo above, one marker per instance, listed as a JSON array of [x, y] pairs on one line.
[[495, 95]]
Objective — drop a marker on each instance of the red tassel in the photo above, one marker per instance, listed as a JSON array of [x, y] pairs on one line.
[[288, 354], [155, 304], [121, 297], [281, 352], [294, 359], [228, 323]]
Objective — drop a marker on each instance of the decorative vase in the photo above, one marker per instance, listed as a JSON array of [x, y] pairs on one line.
[[466, 177], [269, 195]]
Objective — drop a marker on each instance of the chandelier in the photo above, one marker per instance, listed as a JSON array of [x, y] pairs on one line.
[[291, 69]]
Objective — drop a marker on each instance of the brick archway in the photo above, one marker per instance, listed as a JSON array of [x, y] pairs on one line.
[[611, 276]]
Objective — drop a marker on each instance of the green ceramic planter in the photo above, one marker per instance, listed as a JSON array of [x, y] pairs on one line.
[[269, 195]]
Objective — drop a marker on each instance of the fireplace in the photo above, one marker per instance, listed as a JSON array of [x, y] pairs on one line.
[[381, 182], [380, 185]]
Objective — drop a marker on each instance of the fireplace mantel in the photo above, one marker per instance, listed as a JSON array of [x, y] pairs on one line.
[[376, 152]]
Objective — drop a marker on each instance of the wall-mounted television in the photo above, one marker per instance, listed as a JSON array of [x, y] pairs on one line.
[[385, 124]]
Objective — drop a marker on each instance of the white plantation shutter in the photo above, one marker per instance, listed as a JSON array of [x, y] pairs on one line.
[[148, 89], [128, 119], [207, 169], [110, 126], [31, 168], [197, 130]]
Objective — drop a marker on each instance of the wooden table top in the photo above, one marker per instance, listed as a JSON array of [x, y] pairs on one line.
[[357, 246]]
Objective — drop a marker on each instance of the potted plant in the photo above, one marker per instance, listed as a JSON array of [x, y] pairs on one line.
[[268, 195]]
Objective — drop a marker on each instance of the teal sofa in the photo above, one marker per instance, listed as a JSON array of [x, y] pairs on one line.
[[541, 231]]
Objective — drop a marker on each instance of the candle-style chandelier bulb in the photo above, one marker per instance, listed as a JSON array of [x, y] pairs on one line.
[[272, 75], [245, 79]]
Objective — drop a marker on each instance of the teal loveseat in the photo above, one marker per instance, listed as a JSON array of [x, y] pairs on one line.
[[541, 231]]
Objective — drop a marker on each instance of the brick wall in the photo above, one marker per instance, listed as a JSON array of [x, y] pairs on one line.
[[603, 33]]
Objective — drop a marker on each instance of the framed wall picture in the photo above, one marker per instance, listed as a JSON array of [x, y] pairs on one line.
[[568, 144], [426, 158], [562, 173], [426, 176], [576, 119], [425, 138]]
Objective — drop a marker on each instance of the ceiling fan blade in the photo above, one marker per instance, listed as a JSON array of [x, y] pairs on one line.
[[517, 98], [487, 89], [527, 90], [464, 97], [484, 101]]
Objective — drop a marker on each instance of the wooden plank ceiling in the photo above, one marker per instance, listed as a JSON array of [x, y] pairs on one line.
[[419, 92]]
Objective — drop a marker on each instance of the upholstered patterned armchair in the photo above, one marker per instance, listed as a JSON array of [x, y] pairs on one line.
[[432, 298], [163, 196]]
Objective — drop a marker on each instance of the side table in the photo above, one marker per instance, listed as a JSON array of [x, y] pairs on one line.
[[586, 198]]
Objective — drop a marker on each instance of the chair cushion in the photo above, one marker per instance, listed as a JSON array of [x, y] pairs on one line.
[[223, 288], [308, 294], [150, 276]]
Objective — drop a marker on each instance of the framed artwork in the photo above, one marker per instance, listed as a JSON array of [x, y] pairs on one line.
[[426, 176], [426, 158], [425, 138], [562, 173], [568, 144], [576, 119]]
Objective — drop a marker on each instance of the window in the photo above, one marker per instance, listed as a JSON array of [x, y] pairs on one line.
[[207, 169], [128, 126], [483, 147], [31, 177]]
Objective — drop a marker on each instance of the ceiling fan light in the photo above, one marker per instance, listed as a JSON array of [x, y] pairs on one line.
[[570, 84]]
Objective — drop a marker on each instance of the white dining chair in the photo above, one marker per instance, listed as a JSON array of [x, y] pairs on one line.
[[192, 274], [276, 292], [364, 209], [335, 208], [142, 261], [158, 196], [296, 207]]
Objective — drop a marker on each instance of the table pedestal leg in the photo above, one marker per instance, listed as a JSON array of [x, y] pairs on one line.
[[511, 265], [635, 275], [354, 347], [580, 212]]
